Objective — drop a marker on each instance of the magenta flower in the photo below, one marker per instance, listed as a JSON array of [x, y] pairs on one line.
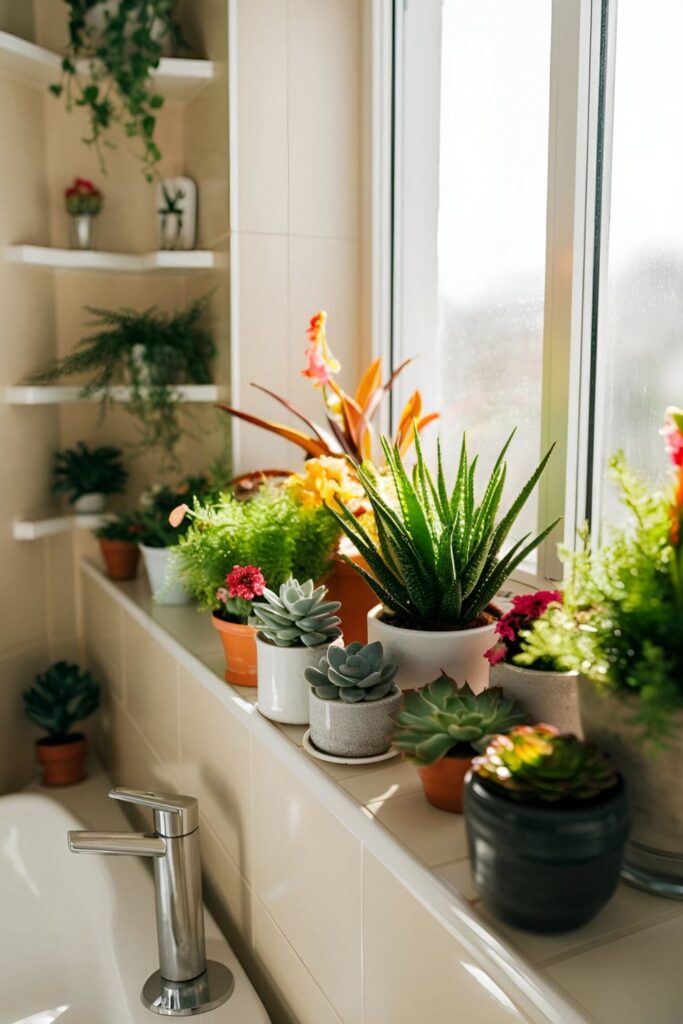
[[525, 609], [245, 581], [672, 432]]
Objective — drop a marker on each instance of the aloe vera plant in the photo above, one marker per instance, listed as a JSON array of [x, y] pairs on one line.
[[439, 556]]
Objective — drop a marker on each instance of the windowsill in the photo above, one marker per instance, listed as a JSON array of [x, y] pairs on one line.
[[423, 847]]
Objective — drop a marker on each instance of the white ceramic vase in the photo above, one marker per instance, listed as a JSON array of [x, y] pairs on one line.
[[177, 226], [549, 697], [282, 687], [89, 504], [421, 655], [162, 574]]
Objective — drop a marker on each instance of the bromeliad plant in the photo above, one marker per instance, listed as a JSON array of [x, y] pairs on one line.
[[353, 674], [297, 616], [83, 470], [61, 696], [349, 418], [438, 558], [536, 764], [441, 719]]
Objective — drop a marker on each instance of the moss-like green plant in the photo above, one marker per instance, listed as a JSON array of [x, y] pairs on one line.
[[352, 674], [297, 616], [61, 696], [536, 764], [83, 470], [442, 717]]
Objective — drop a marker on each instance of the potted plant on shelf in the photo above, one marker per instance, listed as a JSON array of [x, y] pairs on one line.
[[547, 819], [83, 201], [295, 628], [531, 668], [441, 727], [60, 697], [232, 548], [436, 563], [118, 537], [88, 475], [352, 698], [152, 352], [114, 46]]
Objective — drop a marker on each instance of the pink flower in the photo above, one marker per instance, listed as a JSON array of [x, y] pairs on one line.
[[525, 609], [496, 653], [320, 363], [672, 432], [245, 581]]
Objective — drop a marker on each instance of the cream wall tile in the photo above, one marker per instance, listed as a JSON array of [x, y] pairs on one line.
[[434, 836], [215, 767], [324, 78], [413, 969], [103, 635], [130, 760], [61, 585], [226, 881], [150, 689], [307, 874], [297, 990], [17, 672]]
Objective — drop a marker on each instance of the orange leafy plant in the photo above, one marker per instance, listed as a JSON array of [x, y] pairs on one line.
[[348, 430]]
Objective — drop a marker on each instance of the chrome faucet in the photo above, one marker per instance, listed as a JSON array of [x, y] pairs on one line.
[[186, 983]]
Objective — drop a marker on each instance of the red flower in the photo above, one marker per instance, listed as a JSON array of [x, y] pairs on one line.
[[245, 581], [525, 608], [672, 432]]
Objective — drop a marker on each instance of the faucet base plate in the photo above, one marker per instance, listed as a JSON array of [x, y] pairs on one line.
[[187, 998]]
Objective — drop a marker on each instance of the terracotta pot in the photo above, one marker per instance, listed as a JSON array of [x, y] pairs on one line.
[[443, 782], [239, 646], [62, 763], [544, 696], [357, 597], [121, 558]]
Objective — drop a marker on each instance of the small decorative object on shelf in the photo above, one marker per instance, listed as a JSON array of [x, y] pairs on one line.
[[295, 628], [177, 211], [547, 819], [88, 475], [351, 700], [118, 538], [436, 562], [441, 727], [60, 697], [83, 201], [542, 677]]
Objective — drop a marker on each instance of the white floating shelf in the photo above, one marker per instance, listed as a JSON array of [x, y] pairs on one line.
[[163, 262], [28, 394], [177, 78], [36, 529]]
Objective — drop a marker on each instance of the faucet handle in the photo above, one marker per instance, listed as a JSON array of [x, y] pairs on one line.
[[174, 814]]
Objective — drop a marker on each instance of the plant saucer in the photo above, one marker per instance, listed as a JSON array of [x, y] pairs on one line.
[[311, 749]]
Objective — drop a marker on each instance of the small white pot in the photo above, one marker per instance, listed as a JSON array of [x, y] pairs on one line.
[[352, 730], [282, 687], [162, 575], [89, 504], [422, 654], [549, 697], [82, 231]]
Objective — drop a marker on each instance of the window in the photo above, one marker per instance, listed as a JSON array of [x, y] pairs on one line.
[[538, 234]]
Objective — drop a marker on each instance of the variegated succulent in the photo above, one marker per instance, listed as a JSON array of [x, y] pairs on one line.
[[353, 674], [298, 616]]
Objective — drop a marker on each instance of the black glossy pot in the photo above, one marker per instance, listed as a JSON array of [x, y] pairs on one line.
[[544, 868]]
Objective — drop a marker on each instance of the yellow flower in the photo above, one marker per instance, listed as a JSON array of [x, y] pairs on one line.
[[325, 481]]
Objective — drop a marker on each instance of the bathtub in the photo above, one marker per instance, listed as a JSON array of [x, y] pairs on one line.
[[78, 933]]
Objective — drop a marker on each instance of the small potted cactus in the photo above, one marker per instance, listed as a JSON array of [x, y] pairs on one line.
[[547, 821], [352, 698], [441, 727], [61, 696], [295, 628]]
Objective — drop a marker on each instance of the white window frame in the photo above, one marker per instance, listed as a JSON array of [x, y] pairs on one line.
[[575, 81]]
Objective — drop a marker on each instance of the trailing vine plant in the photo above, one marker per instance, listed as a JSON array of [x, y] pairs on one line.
[[107, 71]]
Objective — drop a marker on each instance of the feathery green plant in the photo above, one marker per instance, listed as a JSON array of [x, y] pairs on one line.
[[297, 616], [83, 470], [61, 696], [352, 674], [438, 559]]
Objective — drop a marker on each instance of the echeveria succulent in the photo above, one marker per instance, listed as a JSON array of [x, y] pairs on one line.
[[353, 674], [61, 696], [297, 616]]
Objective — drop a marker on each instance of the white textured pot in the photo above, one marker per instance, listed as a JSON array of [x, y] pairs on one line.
[[162, 575], [282, 687], [89, 504], [549, 697], [352, 730], [421, 654]]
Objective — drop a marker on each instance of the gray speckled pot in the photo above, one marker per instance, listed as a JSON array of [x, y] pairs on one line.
[[549, 697], [352, 730]]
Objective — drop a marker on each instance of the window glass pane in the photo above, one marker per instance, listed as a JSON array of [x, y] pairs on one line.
[[640, 343]]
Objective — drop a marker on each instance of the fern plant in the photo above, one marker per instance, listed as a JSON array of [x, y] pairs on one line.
[[438, 559], [83, 470], [151, 351]]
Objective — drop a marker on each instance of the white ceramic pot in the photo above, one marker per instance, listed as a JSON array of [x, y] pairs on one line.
[[549, 697], [282, 687], [421, 654], [89, 504], [352, 730], [162, 574]]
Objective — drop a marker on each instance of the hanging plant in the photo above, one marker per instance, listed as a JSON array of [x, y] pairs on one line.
[[114, 46]]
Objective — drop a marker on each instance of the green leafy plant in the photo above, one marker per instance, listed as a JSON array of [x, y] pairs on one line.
[[536, 764], [152, 352], [124, 527], [272, 531], [438, 558], [442, 718], [61, 696], [157, 503], [83, 470], [108, 72], [353, 674], [297, 616]]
